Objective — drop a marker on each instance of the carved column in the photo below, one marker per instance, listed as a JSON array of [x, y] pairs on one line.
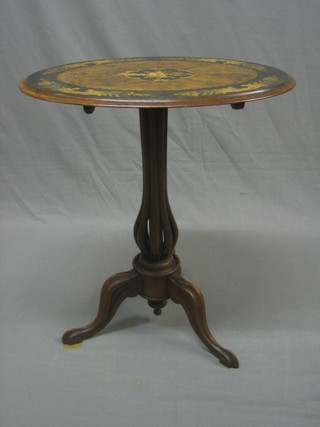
[[155, 230]]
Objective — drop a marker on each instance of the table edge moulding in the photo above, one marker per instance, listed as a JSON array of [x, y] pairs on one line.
[[153, 85]]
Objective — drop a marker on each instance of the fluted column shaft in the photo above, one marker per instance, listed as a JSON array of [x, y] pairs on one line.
[[155, 230]]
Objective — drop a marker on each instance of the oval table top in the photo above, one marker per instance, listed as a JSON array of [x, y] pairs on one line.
[[157, 82]]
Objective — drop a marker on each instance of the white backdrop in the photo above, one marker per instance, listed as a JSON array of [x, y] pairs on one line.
[[244, 187]]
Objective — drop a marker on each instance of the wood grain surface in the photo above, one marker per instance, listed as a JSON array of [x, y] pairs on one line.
[[157, 82]]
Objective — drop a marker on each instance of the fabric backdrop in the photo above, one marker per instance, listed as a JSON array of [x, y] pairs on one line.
[[243, 185]]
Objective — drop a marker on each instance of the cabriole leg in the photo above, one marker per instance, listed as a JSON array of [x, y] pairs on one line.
[[189, 296]]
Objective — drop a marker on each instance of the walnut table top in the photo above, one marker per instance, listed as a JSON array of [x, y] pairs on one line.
[[157, 82]]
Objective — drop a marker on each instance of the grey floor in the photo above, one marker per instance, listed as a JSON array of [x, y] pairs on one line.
[[149, 371]]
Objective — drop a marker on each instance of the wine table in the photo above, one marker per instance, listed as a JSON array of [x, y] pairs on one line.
[[153, 85]]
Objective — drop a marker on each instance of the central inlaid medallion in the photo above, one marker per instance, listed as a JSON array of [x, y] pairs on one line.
[[156, 74]]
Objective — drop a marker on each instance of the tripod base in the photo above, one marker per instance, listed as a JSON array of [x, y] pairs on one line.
[[157, 282]]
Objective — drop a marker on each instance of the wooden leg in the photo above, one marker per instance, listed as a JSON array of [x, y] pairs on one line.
[[114, 291], [189, 296]]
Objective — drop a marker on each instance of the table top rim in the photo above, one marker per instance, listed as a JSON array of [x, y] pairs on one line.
[[285, 84]]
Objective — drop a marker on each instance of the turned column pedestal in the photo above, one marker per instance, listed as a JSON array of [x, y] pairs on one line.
[[156, 270]]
